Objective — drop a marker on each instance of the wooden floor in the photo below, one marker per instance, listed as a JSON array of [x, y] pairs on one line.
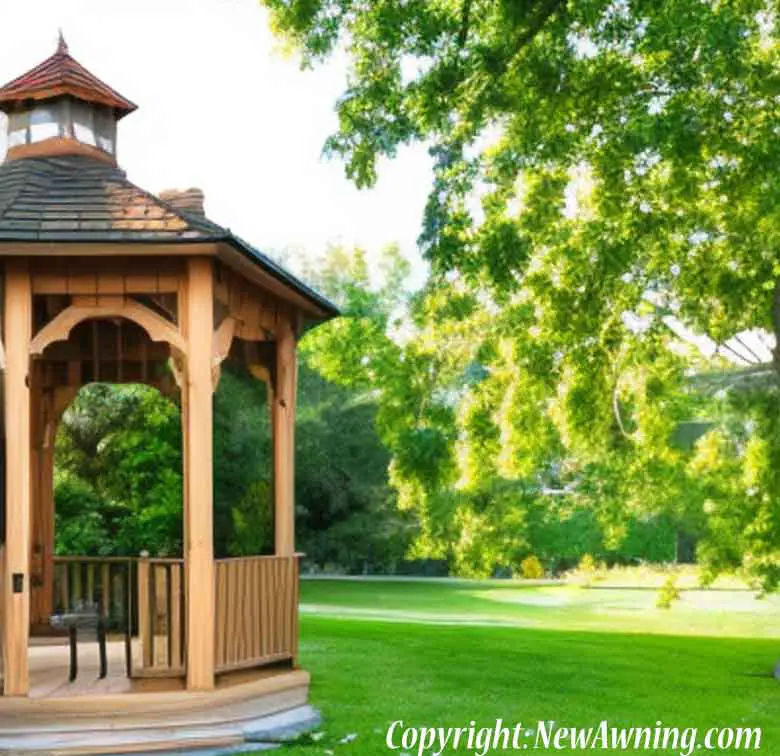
[[49, 666]]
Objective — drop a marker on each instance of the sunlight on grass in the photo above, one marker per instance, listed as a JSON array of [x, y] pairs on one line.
[[369, 674], [446, 653], [717, 613]]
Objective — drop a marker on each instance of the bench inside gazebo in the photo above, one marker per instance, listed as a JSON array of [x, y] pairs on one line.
[[103, 281]]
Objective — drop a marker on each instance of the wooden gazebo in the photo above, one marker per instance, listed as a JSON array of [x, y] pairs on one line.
[[103, 281]]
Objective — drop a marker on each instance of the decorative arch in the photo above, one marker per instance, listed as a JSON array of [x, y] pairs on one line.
[[59, 328]]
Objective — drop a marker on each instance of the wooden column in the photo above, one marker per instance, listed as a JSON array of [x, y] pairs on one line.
[[16, 584], [46, 521], [36, 441], [198, 322], [284, 440], [41, 498]]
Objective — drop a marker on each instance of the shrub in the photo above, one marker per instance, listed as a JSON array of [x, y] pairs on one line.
[[589, 571], [668, 594], [531, 568]]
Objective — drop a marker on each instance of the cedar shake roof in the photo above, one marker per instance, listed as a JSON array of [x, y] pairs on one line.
[[75, 198], [79, 198], [59, 75]]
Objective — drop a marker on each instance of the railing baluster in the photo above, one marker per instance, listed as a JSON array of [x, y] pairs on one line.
[[168, 612], [174, 604], [64, 588], [128, 603], [144, 610], [105, 590], [153, 613], [89, 598]]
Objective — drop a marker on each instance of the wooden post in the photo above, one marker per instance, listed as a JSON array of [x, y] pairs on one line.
[[41, 500], [199, 516], [284, 441], [36, 443], [16, 599], [145, 634], [46, 523]]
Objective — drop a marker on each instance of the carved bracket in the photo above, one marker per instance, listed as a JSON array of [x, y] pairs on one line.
[[59, 327], [177, 365], [220, 347]]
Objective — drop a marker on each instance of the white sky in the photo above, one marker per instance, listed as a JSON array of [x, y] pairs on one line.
[[221, 108]]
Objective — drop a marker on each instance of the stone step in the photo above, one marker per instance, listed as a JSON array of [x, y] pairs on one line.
[[240, 735]]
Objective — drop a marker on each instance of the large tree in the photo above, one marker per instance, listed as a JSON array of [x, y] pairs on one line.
[[589, 157]]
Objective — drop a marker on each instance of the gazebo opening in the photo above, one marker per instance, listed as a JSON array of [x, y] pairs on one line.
[[108, 554], [107, 557]]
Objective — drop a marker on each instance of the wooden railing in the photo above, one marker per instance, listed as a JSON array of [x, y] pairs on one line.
[[257, 611], [256, 608], [142, 598], [160, 617], [94, 584]]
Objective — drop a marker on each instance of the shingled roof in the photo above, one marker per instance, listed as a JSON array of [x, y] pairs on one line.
[[75, 198], [60, 74]]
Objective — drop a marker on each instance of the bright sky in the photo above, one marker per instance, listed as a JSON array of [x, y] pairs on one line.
[[221, 108]]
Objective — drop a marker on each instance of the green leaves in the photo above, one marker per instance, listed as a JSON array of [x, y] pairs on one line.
[[118, 482]]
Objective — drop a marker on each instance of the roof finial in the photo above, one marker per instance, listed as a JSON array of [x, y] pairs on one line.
[[62, 45]]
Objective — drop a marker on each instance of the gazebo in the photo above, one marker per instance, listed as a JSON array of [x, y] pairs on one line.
[[104, 281]]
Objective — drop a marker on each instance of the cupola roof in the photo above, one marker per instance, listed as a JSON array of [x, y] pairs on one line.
[[58, 75]]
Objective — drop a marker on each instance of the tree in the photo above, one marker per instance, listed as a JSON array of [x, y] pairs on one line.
[[350, 369], [243, 500], [599, 167]]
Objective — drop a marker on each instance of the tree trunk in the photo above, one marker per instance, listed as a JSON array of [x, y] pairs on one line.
[[776, 328]]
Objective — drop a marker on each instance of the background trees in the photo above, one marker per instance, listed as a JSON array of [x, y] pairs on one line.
[[429, 430]]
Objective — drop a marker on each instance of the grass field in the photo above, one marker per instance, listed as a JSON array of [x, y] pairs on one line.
[[720, 612], [443, 654]]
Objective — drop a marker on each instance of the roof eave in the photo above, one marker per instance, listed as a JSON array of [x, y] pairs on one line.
[[320, 308], [122, 106]]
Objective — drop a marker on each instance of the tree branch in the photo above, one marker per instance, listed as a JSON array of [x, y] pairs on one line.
[[776, 327], [740, 357], [747, 348], [465, 21], [616, 412], [546, 10]]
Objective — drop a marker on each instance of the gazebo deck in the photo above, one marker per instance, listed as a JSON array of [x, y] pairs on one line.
[[121, 715]]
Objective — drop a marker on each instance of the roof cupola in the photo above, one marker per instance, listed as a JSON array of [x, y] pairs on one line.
[[60, 108]]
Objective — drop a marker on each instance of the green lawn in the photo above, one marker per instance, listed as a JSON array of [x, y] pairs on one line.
[[565, 607], [370, 672]]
